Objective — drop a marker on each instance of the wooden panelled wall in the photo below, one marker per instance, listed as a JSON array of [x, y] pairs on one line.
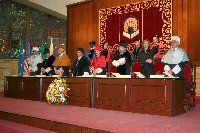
[[83, 24]]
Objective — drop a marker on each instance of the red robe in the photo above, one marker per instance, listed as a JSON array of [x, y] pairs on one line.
[[98, 62], [160, 53]]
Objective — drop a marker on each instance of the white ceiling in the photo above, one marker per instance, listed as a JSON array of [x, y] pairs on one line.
[[54, 7]]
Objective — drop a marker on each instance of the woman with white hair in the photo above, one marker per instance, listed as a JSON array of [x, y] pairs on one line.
[[175, 59]]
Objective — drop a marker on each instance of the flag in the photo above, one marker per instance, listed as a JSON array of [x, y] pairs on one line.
[[28, 55], [51, 46], [28, 51], [42, 50], [21, 60]]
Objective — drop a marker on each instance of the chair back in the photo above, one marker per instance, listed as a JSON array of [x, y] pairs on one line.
[[135, 67], [158, 67]]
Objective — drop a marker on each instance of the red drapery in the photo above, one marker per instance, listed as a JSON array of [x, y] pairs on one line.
[[139, 20]]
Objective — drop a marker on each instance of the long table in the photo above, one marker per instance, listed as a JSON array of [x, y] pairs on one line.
[[149, 96]]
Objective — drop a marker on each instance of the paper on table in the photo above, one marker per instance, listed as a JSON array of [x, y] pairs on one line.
[[176, 69], [139, 75]]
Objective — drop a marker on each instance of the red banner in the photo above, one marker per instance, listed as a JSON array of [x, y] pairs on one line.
[[139, 20]]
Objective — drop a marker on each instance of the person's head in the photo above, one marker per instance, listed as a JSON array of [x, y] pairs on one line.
[[47, 52], [146, 44], [105, 45], [122, 46], [137, 43], [61, 49], [92, 44], [155, 38], [97, 50], [175, 41], [35, 50], [79, 52]]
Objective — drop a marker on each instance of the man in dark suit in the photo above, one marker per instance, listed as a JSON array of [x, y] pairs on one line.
[[81, 64]]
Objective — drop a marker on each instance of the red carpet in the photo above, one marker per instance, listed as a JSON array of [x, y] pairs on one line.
[[120, 122]]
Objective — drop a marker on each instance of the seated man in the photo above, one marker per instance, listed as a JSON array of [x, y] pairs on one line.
[[175, 59], [46, 67], [122, 59], [62, 62], [81, 64], [34, 60]]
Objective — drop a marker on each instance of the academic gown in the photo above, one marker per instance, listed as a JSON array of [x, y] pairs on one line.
[[63, 62], [160, 52], [98, 62], [123, 69], [47, 63], [175, 60], [33, 62]]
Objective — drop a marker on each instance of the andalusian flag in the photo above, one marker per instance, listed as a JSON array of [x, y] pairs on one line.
[[42, 50]]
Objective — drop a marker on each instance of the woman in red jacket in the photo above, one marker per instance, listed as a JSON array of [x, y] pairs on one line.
[[98, 64]]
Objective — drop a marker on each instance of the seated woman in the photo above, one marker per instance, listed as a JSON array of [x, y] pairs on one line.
[[46, 67], [98, 64], [145, 58], [62, 62]]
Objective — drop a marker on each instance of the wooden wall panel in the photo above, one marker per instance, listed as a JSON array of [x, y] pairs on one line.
[[81, 31], [79, 28], [193, 30]]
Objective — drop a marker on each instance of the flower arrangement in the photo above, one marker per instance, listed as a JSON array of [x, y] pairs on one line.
[[57, 92]]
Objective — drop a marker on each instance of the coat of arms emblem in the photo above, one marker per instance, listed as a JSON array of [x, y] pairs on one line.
[[131, 27]]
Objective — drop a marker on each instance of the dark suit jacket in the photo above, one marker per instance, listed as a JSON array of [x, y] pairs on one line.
[[147, 68], [80, 66]]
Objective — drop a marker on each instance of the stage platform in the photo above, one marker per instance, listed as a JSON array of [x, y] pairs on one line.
[[74, 119]]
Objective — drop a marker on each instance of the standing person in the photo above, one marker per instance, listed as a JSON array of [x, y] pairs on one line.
[[98, 64], [160, 46], [34, 60], [106, 53], [136, 50], [47, 64], [175, 59], [145, 58], [122, 59], [91, 53], [81, 64], [62, 62]]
